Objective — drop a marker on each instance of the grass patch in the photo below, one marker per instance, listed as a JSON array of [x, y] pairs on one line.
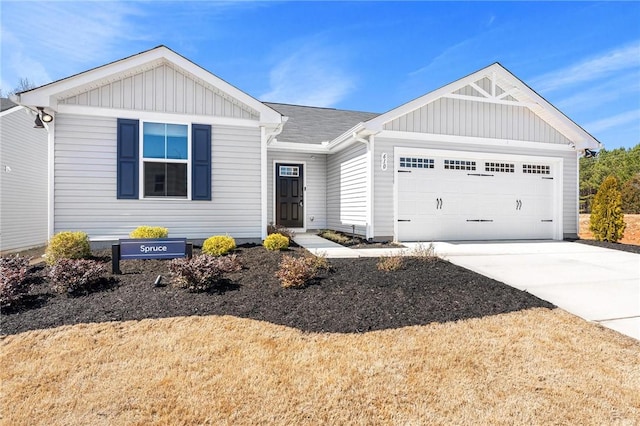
[[334, 236], [537, 366]]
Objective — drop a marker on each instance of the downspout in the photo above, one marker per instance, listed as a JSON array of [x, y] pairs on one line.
[[51, 178], [263, 183]]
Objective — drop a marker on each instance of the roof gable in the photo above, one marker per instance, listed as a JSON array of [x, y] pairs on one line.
[[155, 80], [486, 104]]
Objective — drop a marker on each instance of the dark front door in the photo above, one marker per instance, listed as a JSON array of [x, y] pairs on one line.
[[289, 195]]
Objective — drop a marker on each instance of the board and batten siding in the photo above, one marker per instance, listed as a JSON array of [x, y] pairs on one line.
[[384, 180], [163, 89], [315, 193], [460, 117], [85, 186], [347, 190], [23, 182]]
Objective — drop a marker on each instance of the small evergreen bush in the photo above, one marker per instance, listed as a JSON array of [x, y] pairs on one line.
[[390, 263], [276, 242], [607, 219], [75, 275], [218, 245], [149, 232], [202, 272], [298, 271], [67, 245], [13, 278]]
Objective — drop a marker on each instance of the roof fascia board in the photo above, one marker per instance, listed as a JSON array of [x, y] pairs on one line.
[[470, 140], [298, 147], [163, 116]]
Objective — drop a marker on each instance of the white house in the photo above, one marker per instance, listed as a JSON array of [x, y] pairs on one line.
[[23, 179], [155, 139]]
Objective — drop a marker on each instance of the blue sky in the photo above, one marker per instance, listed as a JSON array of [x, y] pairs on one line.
[[583, 57]]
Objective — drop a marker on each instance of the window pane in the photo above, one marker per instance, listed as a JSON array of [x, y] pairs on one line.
[[176, 180], [153, 140], [177, 141], [165, 180]]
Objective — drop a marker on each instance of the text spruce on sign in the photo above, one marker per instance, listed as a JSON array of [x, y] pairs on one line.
[[162, 248]]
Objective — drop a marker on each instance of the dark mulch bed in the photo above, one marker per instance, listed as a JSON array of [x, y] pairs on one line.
[[354, 297], [615, 246]]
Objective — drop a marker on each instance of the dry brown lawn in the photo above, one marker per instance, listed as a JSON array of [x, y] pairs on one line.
[[537, 366], [631, 233]]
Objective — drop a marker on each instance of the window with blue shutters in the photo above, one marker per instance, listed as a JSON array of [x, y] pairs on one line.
[[163, 160]]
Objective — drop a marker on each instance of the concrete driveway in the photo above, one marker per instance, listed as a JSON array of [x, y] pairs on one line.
[[597, 284]]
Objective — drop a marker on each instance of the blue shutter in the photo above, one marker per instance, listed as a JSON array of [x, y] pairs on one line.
[[128, 147], [200, 162]]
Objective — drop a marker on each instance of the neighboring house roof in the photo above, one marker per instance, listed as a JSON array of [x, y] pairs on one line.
[[315, 125], [6, 104]]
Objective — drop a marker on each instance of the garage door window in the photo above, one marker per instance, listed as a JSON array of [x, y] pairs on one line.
[[536, 169], [416, 163], [459, 165], [499, 167]]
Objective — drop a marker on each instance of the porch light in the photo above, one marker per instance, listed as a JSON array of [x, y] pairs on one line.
[[47, 118], [38, 123]]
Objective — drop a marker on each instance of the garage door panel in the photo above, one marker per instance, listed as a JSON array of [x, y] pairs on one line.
[[488, 200]]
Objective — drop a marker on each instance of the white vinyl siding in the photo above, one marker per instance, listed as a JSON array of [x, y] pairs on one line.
[[23, 181], [85, 185], [163, 89], [478, 119], [347, 189], [315, 178], [384, 180]]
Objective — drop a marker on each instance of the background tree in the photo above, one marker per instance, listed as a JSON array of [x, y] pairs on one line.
[[23, 84], [631, 195], [607, 219], [622, 163]]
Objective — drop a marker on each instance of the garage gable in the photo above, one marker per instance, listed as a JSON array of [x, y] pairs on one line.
[[490, 103]]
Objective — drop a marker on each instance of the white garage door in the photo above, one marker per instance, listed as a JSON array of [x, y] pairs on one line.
[[461, 196]]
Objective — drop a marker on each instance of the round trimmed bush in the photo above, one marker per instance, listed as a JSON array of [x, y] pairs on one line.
[[67, 245], [218, 245], [275, 242], [149, 232]]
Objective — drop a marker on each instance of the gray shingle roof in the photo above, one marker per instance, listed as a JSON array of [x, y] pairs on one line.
[[6, 104], [315, 125]]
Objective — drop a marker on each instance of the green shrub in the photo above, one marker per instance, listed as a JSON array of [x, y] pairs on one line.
[[67, 245], [390, 263], [74, 275], [218, 245], [607, 220], [276, 242], [203, 272], [149, 232], [13, 278], [298, 271]]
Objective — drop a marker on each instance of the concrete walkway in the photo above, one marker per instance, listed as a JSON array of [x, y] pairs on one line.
[[594, 283]]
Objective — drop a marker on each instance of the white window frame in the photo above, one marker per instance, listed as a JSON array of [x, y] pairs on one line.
[[143, 160]]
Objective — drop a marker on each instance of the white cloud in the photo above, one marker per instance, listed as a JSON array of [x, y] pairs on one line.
[[626, 86], [616, 60], [313, 74], [614, 121], [42, 41]]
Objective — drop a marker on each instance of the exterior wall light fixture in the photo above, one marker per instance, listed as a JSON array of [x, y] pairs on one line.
[[42, 117]]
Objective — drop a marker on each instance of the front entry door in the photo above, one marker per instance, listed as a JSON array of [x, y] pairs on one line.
[[289, 195]]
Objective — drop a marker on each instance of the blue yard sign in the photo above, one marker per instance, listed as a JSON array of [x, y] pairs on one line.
[[161, 248]]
